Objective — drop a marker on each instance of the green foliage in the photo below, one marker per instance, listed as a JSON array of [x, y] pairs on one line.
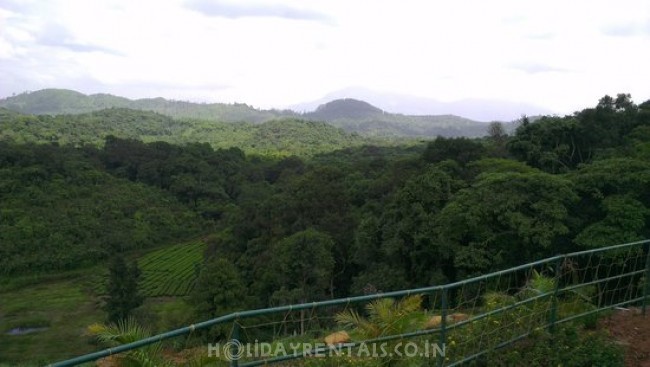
[[170, 271], [462, 150], [127, 331], [624, 221], [569, 346], [386, 316], [291, 136], [560, 144], [60, 211], [504, 219], [360, 117], [301, 267], [296, 221], [404, 235], [614, 204], [275, 137], [218, 289], [62, 306], [348, 114], [122, 291], [61, 101]]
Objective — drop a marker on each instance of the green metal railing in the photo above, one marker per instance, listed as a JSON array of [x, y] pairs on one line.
[[594, 280]]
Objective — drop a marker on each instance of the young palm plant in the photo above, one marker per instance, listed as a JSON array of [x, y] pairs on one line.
[[128, 331], [385, 317]]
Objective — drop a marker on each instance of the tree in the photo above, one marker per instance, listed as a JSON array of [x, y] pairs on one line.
[[553, 144], [462, 150], [496, 131], [302, 264], [404, 239], [218, 290], [505, 219], [301, 268], [497, 137], [122, 289], [614, 201]]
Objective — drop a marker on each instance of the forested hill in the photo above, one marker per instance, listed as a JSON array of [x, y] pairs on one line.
[[276, 137], [63, 101], [366, 119], [378, 218], [348, 114]]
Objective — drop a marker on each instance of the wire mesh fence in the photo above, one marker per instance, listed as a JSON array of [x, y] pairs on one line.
[[446, 325]]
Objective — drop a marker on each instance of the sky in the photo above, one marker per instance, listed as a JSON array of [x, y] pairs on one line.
[[560, 55]]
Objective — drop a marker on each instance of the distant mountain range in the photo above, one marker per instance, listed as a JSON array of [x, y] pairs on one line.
[[349, 114], [476, 109]]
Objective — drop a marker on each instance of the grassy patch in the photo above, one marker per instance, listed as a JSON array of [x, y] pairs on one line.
[[65, 303], [62, 307]]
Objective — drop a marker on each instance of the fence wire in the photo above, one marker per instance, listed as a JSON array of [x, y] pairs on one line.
[[447, 325]]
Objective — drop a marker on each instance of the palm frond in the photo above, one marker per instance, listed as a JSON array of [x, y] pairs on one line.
[[385, 317], [409, 305], [352, 319], [128, 331], [380, 310]]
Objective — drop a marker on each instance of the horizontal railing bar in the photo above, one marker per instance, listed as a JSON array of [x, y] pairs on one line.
[[600, 309], [142, 342], [335, 302], [498, 346], [608, 248], [576, 286]]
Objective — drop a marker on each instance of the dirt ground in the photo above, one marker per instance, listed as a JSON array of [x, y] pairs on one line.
[[632, 330]]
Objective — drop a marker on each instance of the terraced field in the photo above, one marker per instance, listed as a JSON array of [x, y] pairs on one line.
[[170, 271]]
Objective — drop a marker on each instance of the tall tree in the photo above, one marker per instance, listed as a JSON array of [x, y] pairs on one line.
[[302, 266], [504, 219], [122, 289], [218, 290]]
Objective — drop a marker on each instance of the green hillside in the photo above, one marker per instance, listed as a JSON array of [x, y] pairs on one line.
[[63, 101], [61, 212], [281, 229], [365, 119], [348, 114], [276, 137], [87, 128]]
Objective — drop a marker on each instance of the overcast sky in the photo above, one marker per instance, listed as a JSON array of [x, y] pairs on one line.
[[562, 55]]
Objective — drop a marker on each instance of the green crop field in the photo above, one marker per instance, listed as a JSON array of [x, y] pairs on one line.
[[171, 270]]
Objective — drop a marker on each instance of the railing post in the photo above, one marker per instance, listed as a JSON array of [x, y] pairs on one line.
[[646, 279], [554, 301], [234, 345], [443, 329]]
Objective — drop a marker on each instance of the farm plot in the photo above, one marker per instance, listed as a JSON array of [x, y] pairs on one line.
[[170, 271]]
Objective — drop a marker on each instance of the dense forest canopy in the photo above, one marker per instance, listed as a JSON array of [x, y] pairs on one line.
[[374, 218], [277, 137], [214, 217]]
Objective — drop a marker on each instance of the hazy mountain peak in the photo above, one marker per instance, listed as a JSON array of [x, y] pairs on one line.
[[475, 109], [345, 108]]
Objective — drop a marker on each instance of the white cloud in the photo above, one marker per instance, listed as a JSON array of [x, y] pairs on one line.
[[239, 9], [561, 55]]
